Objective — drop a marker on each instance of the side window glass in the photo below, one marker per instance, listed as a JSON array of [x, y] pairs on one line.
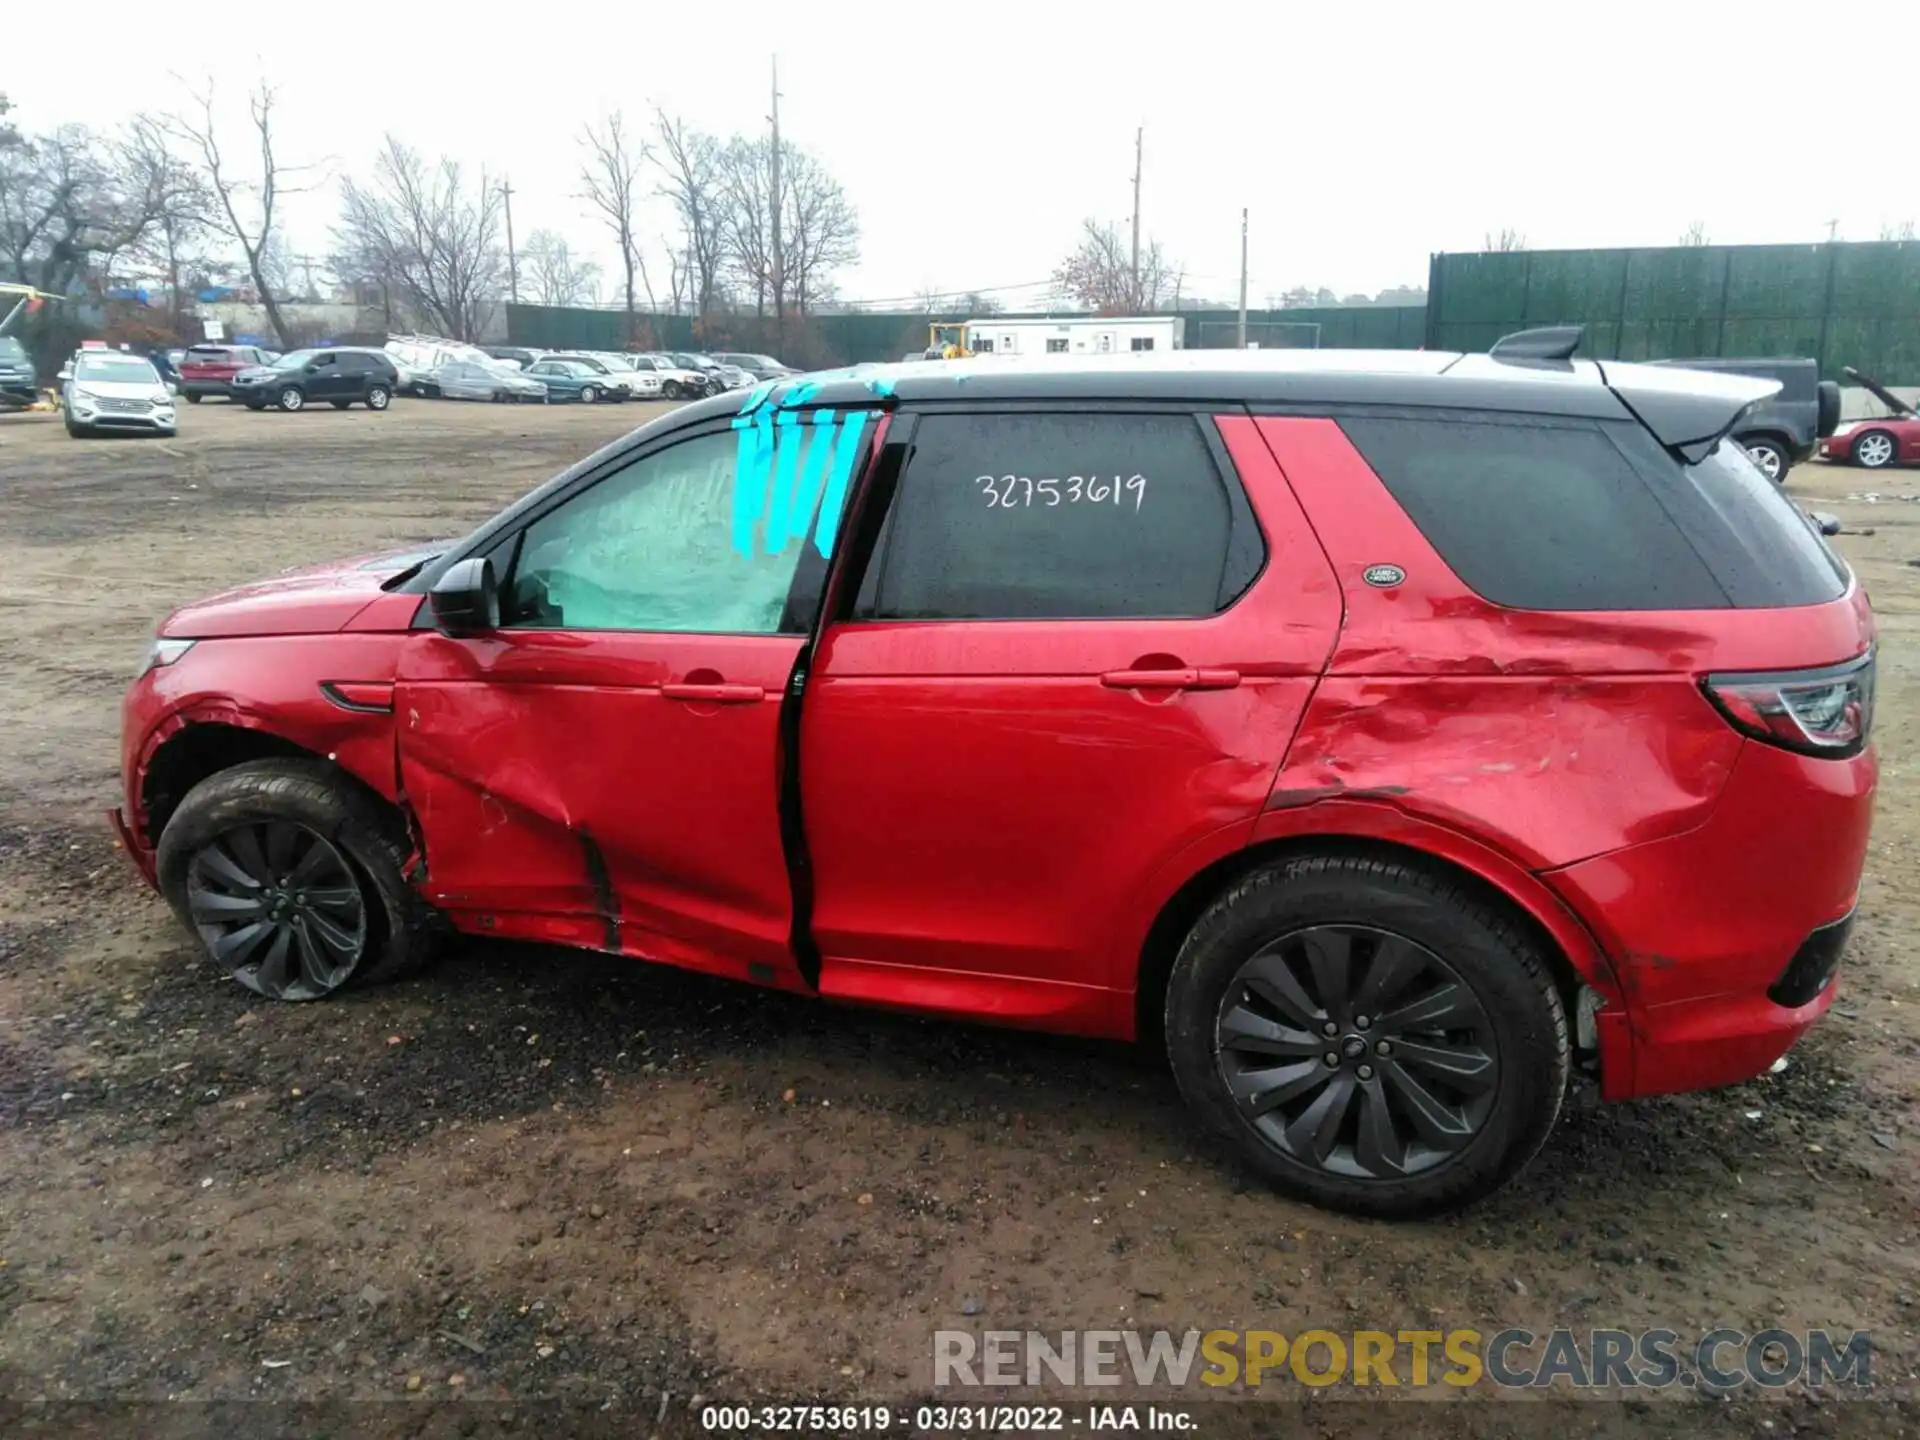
[[703, 537], [1062, 516]]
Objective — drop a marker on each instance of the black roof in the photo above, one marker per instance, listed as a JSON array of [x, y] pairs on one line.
[[1681, 407]]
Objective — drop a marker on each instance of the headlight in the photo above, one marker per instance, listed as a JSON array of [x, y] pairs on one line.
[[163, 652], [80, 392]]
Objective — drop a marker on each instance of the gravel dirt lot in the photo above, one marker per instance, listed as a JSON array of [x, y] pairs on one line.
[[537, 1177]]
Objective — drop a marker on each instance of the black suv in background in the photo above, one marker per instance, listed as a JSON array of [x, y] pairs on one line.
[[341, 377], [1784, 429]]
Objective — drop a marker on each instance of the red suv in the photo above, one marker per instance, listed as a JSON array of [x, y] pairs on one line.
[[1388, 736], [209, 369]]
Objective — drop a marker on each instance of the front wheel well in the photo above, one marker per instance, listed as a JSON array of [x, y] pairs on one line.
[[1190, 902], [205, 748]]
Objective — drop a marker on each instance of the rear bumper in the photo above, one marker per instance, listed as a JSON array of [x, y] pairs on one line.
[[1726, 938]]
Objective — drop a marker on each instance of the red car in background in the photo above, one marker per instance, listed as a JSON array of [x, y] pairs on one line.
[[1876, 444], [1386, 737], [209, 369]]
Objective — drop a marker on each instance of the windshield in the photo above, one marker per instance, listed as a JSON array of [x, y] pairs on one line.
[[620, 362], [294, 360], [115, 369]]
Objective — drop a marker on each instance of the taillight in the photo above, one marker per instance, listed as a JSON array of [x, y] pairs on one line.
[[1825, 712]]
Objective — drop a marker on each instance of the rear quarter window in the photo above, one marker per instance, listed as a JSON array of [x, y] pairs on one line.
[[1537, 513]]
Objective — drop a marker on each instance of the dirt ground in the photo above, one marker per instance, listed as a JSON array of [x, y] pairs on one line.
[[532, 1177]]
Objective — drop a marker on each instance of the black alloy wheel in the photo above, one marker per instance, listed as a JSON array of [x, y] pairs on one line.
[[1357, 1052], [280, 905]]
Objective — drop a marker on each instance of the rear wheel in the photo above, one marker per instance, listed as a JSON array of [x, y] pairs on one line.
[[293, 879], [378, 397], [1771, 456], [291, 398], [1875, 450], [1369, 1036], [193, 399]]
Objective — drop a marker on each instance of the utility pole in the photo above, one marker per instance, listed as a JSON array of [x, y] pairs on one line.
[[1833, 231], [1243, 278], [513, 259], [1139, 137], [779, 257]]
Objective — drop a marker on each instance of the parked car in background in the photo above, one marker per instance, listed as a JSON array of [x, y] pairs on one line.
[[675, 381], [575, 380], [519, 355], [162, 362], [762, 367], [1388, 738], [470, 380], [113, 390], [340, 376], [19, 384], [732, 377], [641, 381], [1880, 441], [613, 370], [209, 369], [703, 365], [416, 357], [1785, 428]]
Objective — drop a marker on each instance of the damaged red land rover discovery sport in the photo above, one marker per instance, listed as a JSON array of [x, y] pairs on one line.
[[1386, 736]]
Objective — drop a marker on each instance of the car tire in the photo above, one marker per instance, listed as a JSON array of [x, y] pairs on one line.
[[672, 390], [193, 399], [79, 432], [1877, 455], [1350, 931], [378, 397], [255, 404], [272, 816], [291, 398], [1771, 456], [589, 395]]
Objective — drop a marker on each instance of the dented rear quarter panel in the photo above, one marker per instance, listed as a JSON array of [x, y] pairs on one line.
[[1554, 736]]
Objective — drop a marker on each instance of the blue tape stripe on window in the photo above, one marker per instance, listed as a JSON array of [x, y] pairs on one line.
[[746, 499], [756, 397], [846, 452], [813, 475], [752, 474], [798, 395], [786, 475]]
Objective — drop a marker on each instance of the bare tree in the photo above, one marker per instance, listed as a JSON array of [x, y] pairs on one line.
[[1100, 273], [746, 187], [553, 275], [822, 230], [1903, 230], [1695, 234], [612, 179], [182, 206], [70, 207], [1505, 240], [691, 162], [248, 207], [427, 232]]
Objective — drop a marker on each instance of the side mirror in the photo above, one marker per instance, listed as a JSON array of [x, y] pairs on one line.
[[466, 600]]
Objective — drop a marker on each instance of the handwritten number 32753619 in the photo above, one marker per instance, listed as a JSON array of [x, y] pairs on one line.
[[1009, 492]]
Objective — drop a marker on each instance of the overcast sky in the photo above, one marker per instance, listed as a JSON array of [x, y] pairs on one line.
[[973, 138]]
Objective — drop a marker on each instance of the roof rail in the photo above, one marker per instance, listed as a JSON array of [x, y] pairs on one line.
[[1552, 342]]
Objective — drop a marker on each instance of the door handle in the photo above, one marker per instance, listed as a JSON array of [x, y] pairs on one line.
[[1189, 679], [715, 694]]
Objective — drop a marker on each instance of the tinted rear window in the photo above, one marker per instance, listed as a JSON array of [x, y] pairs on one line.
[[1537, 513], [1543, 514]]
